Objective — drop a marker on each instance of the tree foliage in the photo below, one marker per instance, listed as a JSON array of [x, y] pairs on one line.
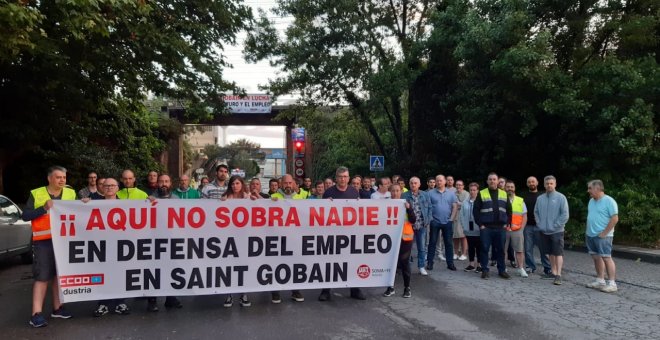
[[519, 87], [74, 76]]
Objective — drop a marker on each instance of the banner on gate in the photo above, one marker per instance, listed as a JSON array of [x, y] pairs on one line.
[[126, 248]]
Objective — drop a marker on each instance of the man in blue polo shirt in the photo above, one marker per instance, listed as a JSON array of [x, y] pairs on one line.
[[602, 216], [444, 206]]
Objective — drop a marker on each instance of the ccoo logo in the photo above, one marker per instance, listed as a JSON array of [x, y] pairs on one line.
[[363, 271]]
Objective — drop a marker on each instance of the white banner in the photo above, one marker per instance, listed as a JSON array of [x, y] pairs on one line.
[[127, 248], [251, 103]]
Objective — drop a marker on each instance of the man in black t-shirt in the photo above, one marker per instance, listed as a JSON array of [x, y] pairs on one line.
[[532, 232], [341, 190]]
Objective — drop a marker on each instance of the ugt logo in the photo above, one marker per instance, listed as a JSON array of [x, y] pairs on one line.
[[363, 271]]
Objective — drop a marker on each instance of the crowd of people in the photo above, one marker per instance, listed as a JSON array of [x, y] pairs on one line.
[[484, 226]]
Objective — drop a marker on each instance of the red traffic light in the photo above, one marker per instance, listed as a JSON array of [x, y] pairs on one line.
[[299, 145]]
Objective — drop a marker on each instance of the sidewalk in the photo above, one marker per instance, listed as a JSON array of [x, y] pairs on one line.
[[627, 252]]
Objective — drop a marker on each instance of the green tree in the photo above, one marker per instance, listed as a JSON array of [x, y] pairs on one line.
[[364, 53], [74, 75]]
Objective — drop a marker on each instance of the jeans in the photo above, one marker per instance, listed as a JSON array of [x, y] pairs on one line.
[[533, 238], [447, 238], [496, 238], [420, 242]]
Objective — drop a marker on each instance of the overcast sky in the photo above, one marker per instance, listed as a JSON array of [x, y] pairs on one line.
[[249, 77]]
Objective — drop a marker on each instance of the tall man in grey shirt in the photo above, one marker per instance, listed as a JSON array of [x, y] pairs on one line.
[[551, 214]]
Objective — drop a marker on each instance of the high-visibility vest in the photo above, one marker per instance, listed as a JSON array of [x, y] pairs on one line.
[[408, 232], [41, 225], [487, 207], [295, 196], [517, 213]]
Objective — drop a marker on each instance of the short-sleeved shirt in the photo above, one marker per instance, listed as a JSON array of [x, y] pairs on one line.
[[349, 193], [379, 195], [442, 204], [599, 214]]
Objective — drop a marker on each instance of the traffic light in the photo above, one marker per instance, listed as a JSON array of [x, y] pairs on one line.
[[299, 148]]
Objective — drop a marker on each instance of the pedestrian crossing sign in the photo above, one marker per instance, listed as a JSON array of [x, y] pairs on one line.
[[376, 163]]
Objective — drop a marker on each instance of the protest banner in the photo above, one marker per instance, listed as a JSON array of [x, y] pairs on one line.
[[128, 248]]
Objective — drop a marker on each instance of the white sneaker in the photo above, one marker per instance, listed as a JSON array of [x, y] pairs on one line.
[[611, 288], [522, 272], [442, 257], [455, 257], [462, 258], [423, 271], [596, 284]]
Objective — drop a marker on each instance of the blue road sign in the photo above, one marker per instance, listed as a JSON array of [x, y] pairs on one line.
[[376, 163]]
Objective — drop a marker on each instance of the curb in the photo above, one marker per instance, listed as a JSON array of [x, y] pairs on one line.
[[624, 254]]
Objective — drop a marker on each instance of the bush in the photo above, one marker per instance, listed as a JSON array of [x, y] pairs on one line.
[[639, 215]]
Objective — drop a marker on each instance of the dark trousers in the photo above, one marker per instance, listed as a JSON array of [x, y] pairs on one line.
[[404, 263], [495, 238], [447, 239], [474, 248]]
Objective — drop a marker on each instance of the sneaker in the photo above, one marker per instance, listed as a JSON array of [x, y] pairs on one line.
[[513, 264], [406, 292], [37, 320], [429, 266], [122, 309], [451, 267], [325, 295], [610, 288], [522, 273], [455, 257], [478, 270], [547, 276], [596, 284], [172, 302], [297, 296], [423, 271], [469, 269], [462, 258], [101, 310], [357, 294], [245, 302], [229, 301], [389, 292], [557, 280], [61, 313], [152, 306], [485, 275], [275, 297], [442, 257], [504, 275], [529, 270], [493, 263]]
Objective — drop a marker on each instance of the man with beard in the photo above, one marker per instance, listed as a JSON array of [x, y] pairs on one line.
[[288, 191], [532, 232], [367, 189], [164, 192], [218, 187], [184, 191], [91, 185]]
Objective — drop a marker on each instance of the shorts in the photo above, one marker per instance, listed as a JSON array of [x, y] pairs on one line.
[[516, 239], [600, 246], [43, 264], [553, 244], [458, 230]]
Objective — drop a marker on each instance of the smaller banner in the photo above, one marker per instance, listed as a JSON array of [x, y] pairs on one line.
[[125, 248], [251, 103]]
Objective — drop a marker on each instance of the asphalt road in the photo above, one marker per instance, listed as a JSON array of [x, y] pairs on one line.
[[444, 305]]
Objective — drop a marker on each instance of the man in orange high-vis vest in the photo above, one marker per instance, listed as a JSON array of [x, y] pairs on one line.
[[37, 210], [515, 234]]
